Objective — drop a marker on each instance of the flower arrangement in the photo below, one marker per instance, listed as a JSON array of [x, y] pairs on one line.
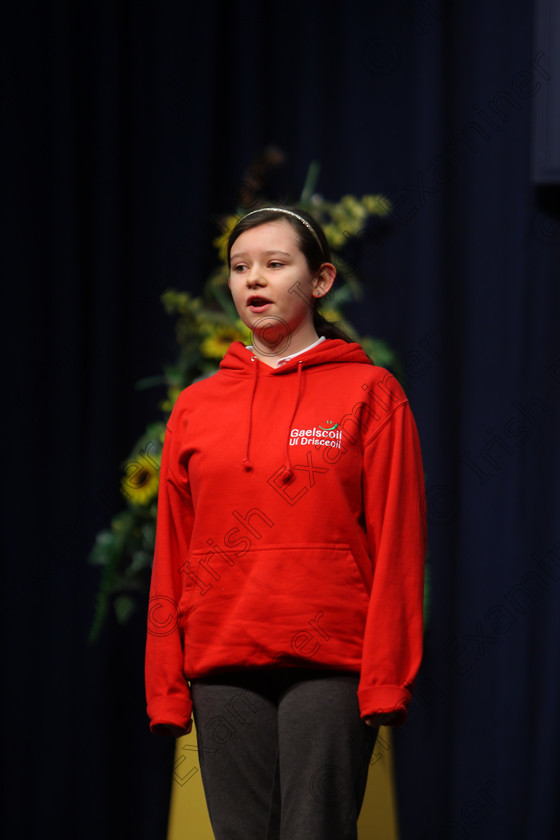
[[205, 326]]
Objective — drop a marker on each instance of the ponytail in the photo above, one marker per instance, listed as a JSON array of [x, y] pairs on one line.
[[328, 329]]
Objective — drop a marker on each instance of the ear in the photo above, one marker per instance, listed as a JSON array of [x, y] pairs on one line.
[[323, 280]]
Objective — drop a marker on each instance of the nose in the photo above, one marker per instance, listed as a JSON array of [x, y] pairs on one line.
[[254, 277]]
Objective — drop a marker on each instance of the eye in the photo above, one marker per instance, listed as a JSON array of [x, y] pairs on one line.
[[237, 269], [275, 264]]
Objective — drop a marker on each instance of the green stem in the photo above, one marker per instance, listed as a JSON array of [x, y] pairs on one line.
[[310, 182]]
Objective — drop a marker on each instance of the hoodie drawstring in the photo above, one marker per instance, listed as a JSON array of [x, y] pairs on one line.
[[246, 463], [288, 474]]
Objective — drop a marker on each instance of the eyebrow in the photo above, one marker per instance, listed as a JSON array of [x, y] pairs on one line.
[[239, 254]]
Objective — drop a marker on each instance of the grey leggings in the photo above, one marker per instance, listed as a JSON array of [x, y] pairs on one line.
[[283, 753]]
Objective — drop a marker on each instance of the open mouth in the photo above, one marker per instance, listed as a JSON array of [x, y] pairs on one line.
[[256, 303]]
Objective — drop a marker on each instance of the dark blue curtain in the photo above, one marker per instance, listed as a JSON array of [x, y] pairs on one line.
[[128, 128]]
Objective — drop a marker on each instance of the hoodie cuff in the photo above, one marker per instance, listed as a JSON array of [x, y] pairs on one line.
[[170, 711], [384, 699], [169, 729]]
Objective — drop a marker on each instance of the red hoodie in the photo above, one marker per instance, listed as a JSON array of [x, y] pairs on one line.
[[290, 529]]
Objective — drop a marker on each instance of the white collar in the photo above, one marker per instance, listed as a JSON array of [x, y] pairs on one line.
[[285, 359]]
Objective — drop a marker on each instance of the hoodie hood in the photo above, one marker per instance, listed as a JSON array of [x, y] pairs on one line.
[[239, 361]]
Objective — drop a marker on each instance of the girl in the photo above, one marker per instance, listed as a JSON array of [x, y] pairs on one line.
[[286, 596]]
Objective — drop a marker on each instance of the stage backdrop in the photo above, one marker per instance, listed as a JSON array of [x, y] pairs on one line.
[[127, 128]]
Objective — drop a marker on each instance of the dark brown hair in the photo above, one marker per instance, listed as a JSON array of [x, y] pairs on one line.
[[312, 243]]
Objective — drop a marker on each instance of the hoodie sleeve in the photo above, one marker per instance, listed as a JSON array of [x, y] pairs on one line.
[[167, 691], [396, 527]]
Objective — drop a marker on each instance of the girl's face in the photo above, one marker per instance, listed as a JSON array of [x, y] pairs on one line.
[[272, 286]]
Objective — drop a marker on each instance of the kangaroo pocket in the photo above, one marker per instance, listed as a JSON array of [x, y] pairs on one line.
[[275, 605]]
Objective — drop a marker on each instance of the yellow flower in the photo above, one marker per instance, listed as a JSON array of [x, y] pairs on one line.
[[335, 236], [140, 484], [219, 339], [246, 336], [376, 205], [331, 314], [221, 241], [353, 208]]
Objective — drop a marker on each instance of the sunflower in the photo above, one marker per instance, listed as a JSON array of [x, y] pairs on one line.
[[214, 346], [140, 484]]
